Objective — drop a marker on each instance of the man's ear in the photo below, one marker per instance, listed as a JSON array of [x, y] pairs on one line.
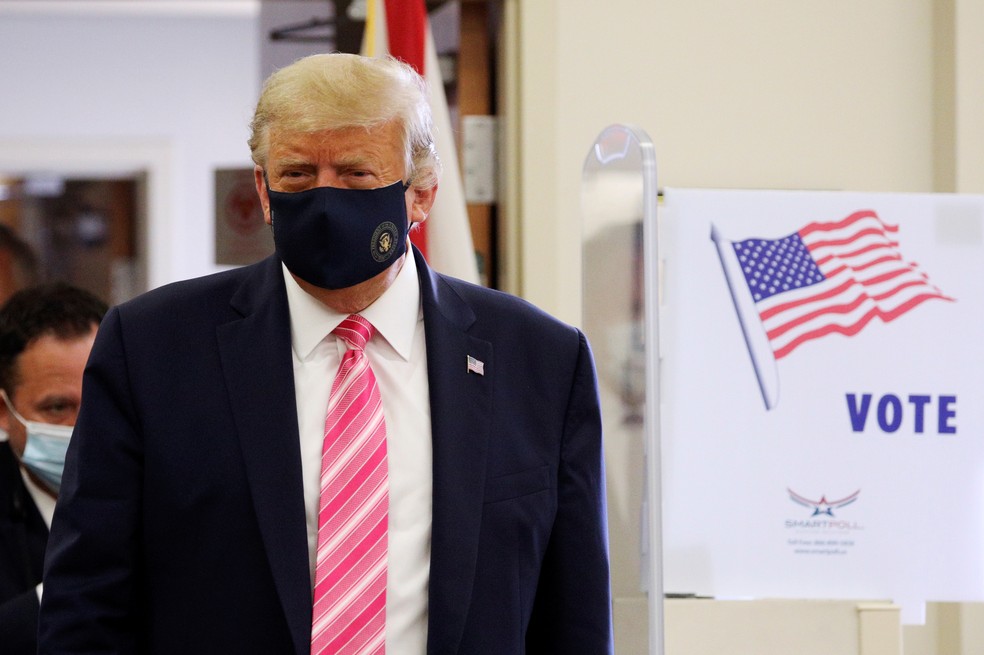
[[261, 191], [4, 417], [420, 203]]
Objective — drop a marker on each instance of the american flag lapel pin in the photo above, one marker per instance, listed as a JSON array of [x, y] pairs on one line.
[[476, 366]]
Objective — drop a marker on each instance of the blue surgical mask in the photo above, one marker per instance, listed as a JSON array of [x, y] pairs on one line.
[[44, 452], [336, 238]]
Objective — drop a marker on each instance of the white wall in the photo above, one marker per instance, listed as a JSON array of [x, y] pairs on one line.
[[168, 86]]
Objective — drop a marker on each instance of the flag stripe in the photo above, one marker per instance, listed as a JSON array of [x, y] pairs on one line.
[[857, 236], [854, 328], [847, 223], [873, 247], [405, 24]]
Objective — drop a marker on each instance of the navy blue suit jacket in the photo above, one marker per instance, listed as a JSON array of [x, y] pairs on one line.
[[180, 524], [23, 534]]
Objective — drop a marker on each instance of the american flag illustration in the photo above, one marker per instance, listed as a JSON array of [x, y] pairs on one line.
[[830, 277]]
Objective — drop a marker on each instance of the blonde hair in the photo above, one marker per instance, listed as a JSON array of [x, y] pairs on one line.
[[336, 91]]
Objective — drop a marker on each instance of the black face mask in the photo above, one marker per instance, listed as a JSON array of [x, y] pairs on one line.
[[336, 238]]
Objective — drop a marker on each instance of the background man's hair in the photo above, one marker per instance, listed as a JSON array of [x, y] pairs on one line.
[[57, 309]]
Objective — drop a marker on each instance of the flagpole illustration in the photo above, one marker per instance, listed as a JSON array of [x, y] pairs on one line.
[[759, 350]]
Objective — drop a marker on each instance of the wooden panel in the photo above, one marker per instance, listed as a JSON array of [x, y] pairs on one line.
[[475, 99]]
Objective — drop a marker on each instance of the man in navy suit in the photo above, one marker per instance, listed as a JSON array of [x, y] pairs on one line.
[[46, 333], [189, 516]]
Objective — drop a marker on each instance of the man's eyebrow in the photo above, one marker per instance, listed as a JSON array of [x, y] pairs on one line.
[[292, 162], [57, 397], [359, 160]]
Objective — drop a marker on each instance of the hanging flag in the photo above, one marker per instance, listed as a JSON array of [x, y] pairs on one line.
[[400, 28], [827, 278]]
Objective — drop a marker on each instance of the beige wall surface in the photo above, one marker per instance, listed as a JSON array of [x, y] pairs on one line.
[[881, 96], [763, 94]]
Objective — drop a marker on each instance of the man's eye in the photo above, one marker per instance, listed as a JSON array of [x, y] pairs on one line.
[[56, 412], [362, 179]]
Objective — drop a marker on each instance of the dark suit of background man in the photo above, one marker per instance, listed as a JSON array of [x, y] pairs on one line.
[[46, 334], [187, 522]]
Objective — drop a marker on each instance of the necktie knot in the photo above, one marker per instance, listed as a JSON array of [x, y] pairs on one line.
[[355, 331]]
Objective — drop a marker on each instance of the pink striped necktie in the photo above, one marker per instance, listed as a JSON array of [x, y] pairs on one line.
[[350, 578]]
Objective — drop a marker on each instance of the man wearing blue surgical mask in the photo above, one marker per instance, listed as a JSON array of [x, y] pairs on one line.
[[46, 334]]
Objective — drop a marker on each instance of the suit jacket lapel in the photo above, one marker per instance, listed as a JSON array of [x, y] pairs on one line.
[[461, 405], [256, 361]]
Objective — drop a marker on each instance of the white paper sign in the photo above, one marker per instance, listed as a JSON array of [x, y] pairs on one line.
[[823, 395]]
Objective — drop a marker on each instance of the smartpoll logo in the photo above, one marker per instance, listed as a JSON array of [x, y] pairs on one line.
[[825, 278], [823, 533], [823, 506], [822, 516]]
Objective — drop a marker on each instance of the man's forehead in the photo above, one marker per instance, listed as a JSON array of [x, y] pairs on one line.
[[50, 354], [50, 345], [347, 145], [382, 131]]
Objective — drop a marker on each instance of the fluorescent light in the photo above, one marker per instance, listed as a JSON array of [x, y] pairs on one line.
[[132, 7]]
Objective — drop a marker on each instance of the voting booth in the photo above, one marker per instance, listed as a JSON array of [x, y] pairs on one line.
[[791, 389], [620, 318]]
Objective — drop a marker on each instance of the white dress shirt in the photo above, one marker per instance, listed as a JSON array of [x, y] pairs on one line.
[[398, 357]]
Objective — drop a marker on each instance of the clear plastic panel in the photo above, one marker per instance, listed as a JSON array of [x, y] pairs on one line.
[[620, 269]]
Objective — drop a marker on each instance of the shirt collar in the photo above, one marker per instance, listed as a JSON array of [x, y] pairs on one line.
[[394, 314]]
